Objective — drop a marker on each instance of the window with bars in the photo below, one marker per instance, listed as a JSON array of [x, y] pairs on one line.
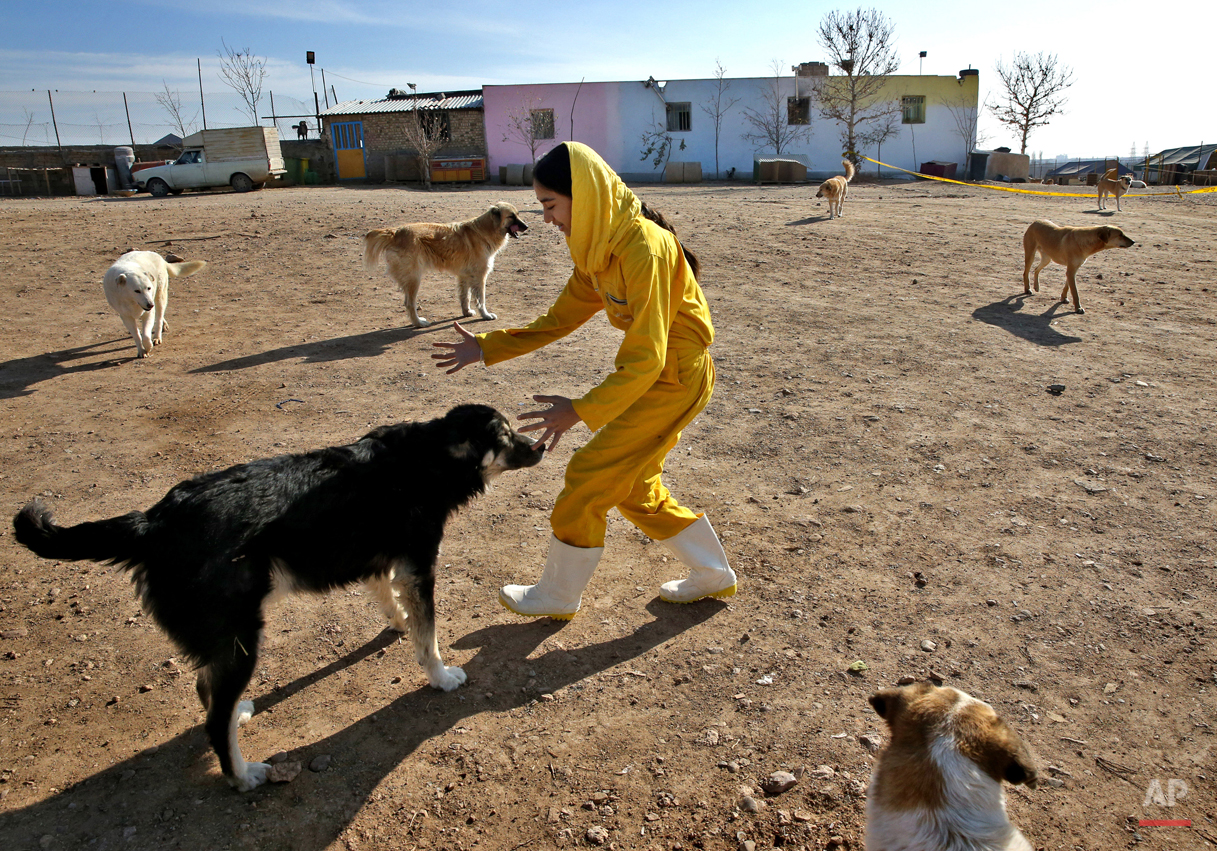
[[435, 124], [542, 123], [912, 109], [680, 117], [798, 111]]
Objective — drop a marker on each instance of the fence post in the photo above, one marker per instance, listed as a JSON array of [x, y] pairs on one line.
[[55, 124], [129, 130]]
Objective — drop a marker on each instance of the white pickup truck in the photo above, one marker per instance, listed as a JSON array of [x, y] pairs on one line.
[[241, 157]]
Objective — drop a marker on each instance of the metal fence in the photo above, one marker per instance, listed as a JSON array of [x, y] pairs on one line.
[[41, 117]]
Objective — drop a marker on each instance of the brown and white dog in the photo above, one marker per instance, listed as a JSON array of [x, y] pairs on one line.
[[465, 249], [835, 189], [937, 785], [1069, 247], [1112, 183]]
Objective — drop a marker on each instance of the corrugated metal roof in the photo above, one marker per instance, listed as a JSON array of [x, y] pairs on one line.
[[425, 100]]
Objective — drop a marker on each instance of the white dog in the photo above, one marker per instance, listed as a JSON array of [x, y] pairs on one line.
[[137, 287]]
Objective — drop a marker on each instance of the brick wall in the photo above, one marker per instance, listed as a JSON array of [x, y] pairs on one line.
[[51, 157], [384, 135]]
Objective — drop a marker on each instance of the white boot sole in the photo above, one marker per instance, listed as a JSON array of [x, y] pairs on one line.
[[718, 595]]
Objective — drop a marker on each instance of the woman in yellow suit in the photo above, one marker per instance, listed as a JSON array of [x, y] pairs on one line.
[[628, 263]]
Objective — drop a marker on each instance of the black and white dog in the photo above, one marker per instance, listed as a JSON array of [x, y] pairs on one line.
[[208, 557]]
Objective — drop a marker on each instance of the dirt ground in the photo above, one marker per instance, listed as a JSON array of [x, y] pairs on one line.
[[882, 457]]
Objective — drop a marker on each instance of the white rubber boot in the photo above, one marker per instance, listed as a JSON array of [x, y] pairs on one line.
[[558, 592], [709, 574]]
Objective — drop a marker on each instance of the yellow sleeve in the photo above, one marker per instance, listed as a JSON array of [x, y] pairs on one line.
[[640, 359], [577, 303]]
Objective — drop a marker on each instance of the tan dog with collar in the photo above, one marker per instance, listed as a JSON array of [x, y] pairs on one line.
[[1112, 183]]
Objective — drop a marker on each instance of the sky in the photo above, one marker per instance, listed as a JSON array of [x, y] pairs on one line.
[[1130, 90]]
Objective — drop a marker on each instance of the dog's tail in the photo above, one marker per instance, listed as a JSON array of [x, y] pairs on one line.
[[1111, 174], [186, 267], [374, 245], [849, 170], [114, 540]]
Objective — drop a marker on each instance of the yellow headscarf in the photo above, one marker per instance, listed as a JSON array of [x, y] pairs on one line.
[[601, 210]]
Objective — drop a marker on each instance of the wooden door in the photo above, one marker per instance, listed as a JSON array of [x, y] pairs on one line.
[[348, 150]]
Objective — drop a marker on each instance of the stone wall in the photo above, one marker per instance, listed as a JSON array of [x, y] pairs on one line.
[[384, 136]]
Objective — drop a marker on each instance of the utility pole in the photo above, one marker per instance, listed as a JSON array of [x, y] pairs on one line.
[[202, 105]]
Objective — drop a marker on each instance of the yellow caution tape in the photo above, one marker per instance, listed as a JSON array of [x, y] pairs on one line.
[[1177, 191]]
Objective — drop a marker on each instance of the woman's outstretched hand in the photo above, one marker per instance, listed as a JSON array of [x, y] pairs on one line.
[[462, 353], [556, 421]]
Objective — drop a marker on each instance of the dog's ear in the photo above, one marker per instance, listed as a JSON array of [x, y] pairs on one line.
[[1104, 233], [887, 703], [122, 280]]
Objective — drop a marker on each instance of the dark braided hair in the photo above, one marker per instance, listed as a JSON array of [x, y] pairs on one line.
[[553, 172]]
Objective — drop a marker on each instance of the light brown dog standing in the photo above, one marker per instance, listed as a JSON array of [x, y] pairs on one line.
[[1069, 247], [835, 189], [465, 249], [1112, 183]]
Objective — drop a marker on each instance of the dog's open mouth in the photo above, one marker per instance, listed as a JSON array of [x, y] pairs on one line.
[[515, 229]]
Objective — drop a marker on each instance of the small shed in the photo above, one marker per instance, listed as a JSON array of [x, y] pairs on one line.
[[370, 140]]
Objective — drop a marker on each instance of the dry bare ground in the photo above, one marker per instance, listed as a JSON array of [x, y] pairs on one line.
[[882, 457]]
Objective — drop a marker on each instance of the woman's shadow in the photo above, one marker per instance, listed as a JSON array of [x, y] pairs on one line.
[[180, 776]]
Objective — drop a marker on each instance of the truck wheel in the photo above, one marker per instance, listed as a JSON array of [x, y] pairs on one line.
[[241, 182], [158, 188]]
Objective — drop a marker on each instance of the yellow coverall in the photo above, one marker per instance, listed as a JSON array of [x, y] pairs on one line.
[[636, 272]]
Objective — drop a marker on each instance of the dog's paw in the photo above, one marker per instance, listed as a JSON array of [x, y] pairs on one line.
[[253, 777], [245, 711], [448, 679], [486, 314], [423, 322]]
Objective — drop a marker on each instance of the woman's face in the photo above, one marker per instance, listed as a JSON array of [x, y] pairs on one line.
[[556, 207]]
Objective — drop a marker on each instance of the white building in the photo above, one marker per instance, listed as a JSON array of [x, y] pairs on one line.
[[622, 119]]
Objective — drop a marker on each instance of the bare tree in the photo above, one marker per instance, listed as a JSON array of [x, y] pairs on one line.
[[718, 106], [29, 122], [531, 127], [243, 73], [1034, 92], [171, 102], [967, 120], [427, 132], [861, 46], [884, 128], [771, 119]]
